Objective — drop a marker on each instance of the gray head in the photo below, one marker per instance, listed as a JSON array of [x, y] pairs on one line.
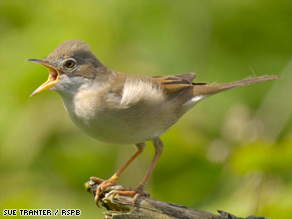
[[74, 58], [70, 60]]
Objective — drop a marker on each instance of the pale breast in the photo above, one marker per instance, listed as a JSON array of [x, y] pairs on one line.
[[139, 114]]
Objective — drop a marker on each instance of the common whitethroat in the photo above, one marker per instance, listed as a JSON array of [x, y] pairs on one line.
[[122, 108]]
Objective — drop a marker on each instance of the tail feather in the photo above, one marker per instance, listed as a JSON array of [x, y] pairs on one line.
[[209, 89]]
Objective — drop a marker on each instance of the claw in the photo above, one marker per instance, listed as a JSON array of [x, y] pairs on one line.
[[136, 196], [96, 198], [103, 184], [131, 192], [96, 179]]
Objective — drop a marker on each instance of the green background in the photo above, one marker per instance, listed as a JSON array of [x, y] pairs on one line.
[[232, 152]]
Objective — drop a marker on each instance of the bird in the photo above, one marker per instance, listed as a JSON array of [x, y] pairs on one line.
[[122, 108]]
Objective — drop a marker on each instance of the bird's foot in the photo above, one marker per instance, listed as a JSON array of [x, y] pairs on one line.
[[103, 184], [136, 193]]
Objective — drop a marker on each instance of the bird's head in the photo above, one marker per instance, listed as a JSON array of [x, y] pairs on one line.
[[69, 64]]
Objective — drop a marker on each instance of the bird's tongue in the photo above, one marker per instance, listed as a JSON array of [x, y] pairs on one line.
[[53, 74], [53, 77]]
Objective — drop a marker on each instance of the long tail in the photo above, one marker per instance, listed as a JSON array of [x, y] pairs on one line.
[[209, 89]]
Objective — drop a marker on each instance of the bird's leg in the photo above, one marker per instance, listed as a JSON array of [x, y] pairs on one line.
[[158, 145], [103, 184]]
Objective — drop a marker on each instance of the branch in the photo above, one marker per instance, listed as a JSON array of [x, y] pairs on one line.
[[119, 207]]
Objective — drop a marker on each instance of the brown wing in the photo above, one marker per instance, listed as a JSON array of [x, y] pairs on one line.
[[175, 83]]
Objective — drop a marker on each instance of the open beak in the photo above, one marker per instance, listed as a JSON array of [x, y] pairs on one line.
[[53, 76]]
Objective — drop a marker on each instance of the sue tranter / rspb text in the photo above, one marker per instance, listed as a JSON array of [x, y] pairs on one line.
[[41, 212]]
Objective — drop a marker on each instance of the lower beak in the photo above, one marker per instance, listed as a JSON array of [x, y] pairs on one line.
[[53, 76]]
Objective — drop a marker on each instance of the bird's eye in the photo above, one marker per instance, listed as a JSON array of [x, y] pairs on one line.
[[70, 63]]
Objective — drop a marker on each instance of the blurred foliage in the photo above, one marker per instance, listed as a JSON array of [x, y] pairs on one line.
[[232, 152]]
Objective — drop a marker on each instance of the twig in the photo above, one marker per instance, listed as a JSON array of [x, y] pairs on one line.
[[119, 207]]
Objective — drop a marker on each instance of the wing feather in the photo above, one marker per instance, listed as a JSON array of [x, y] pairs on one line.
[[176, 83]]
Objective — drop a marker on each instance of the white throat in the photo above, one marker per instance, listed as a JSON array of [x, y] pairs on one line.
[[67, 87]]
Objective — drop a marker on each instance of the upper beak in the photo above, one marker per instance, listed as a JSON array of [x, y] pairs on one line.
[[53, 76]]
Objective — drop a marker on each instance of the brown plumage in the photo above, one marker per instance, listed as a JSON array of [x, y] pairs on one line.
[[174, 83], [123, 108]]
